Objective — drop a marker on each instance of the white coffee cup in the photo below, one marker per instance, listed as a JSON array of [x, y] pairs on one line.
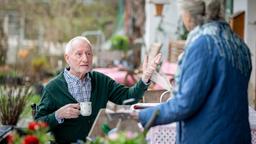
[[85, 108]]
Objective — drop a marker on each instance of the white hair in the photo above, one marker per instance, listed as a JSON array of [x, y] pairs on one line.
[[69, 45], [196, 9], [202, 10]]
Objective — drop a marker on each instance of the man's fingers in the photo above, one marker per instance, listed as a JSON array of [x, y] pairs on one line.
[[70, 111], [145, 62], [151, 68], [74, 115], [157, 58], [75, 105]]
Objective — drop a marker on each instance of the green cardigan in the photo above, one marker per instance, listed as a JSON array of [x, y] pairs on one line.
[[56, 95]]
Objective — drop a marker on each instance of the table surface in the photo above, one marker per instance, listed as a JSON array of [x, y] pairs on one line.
[[165, 134], [119, 75]]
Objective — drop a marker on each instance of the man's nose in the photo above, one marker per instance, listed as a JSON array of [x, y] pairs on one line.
[[85, 57]]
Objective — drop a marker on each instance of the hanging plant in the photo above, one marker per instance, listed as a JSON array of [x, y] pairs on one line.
[[120, 42]]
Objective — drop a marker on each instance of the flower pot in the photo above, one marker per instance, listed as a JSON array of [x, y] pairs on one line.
[[159, 9]]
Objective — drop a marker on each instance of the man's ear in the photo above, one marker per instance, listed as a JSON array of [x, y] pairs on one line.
[[66, 58]]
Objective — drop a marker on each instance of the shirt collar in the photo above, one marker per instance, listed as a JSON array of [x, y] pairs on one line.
[[75, 78]]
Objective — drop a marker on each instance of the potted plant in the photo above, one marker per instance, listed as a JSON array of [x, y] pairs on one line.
[[122, 137], [121, 43], [13, 100], [34, 133], [40, 65]]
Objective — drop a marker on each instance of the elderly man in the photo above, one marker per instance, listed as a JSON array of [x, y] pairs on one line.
[[59, 106]]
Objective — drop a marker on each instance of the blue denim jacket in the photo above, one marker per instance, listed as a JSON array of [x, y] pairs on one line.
[[210, 99]]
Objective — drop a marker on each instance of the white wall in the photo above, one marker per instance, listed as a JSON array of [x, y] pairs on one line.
[[240, 5], [169, 25], [12, 50], [249, 6], [251, 41]]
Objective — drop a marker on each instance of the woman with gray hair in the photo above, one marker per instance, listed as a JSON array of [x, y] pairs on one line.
[[210, 100]]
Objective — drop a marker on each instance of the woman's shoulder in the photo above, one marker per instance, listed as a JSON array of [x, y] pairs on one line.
[[201, 43]]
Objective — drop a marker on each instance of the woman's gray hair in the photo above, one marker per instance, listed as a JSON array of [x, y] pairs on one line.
[[214, 10], [202, 10], [69, 45]]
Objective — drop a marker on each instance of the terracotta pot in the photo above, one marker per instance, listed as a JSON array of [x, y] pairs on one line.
[[159, 9]]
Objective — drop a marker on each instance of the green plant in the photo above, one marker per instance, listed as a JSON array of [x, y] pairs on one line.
[[35, 133], [122, 137], [116, 136], [13, 100], [39, 63], [181, 32], [34, 99], [9, 74], [120, 42]]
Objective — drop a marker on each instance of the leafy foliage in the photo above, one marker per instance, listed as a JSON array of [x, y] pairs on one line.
[[181, 32], [34, 99], [59, 20], [39, 63], [122, 137], [120, 42]]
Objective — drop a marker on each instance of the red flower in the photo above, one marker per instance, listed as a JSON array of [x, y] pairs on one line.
[[33, 126], [43, 124], [30, 139], [37, 125], [35, 133], [10, 138]]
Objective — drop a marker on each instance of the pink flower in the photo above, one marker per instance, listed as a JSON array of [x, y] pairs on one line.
[[113, 136], [130, 135]]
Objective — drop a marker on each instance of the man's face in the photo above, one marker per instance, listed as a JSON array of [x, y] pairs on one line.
[[79, 58], [186, 18]]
